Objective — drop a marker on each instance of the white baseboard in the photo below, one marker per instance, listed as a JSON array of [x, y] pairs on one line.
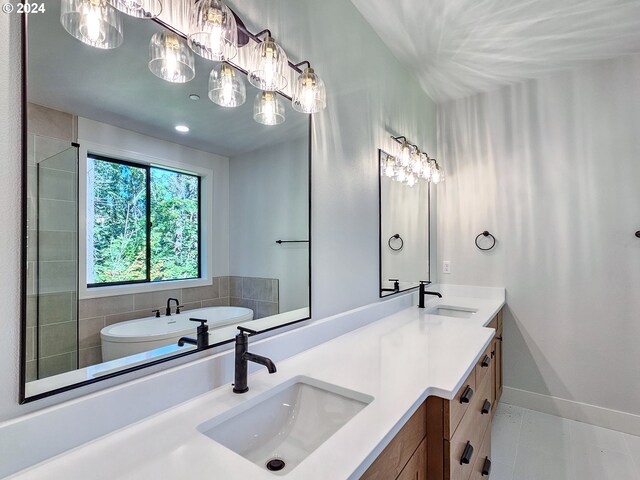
[[581, 412]]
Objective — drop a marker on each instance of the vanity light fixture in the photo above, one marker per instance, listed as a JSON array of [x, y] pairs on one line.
[[94, 22], [139, 8], [225, 87], [182, 128], [309, 94], [170, 59], [213, 31], [268, 64], [268, 109], [410, 165]]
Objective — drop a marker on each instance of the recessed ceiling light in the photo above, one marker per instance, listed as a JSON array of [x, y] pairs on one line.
[[194, 97], [182, 128]]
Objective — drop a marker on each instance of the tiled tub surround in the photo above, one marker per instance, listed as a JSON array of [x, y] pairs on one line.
[[258, 294]]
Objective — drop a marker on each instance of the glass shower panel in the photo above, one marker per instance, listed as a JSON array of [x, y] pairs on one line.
[[52, 253]]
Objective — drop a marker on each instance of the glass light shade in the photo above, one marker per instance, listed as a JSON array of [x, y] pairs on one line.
[[94, 22], [170, 58], [309, 94], [226, 88], [405, 154], [268, 109], [389, 167], [401, 174], [416, 162], [268, 66], [213, 32], [411, 179], [139, 8], [425, 170], [436, 174]]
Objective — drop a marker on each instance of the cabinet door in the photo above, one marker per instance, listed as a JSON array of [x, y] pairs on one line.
[[416, 469]]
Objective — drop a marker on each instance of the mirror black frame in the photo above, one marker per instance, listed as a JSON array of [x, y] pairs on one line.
[[22, 398], [380, 245]]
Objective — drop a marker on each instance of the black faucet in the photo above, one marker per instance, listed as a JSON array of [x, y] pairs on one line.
[[203, 336], [167, 312], [396, 286], [243, 357], [422, 292]]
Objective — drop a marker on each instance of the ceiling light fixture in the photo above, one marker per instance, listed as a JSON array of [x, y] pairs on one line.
[[309, 94], [139, 8], [170, 59], [213, 32], [225, 87], [268, 64], [94, 22], [182, 128], [268, 109]]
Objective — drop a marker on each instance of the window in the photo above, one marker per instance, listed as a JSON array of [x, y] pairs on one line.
[[143, 223]]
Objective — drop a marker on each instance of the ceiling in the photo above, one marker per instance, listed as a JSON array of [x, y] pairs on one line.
[[456, 48], [116, 87]]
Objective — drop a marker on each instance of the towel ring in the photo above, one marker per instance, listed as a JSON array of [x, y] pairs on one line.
[[486, 234], [396, 237]]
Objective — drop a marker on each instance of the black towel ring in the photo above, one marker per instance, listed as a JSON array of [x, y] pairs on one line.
[[486, 234], [397, 237]]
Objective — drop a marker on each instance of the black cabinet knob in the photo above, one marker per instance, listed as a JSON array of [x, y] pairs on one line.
[[486, 407], [466, 395], [486, 361], [638, 234], [467, 454], [486, 468]]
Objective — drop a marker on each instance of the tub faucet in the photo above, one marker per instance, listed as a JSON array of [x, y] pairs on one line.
[[167, 312], [243, 357], [422, 293], [203, 335]]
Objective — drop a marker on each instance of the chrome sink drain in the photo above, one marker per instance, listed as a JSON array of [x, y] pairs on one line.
[[275, 464]]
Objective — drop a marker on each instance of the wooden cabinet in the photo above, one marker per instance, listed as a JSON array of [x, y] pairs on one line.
[[449, 439], [403, 451]]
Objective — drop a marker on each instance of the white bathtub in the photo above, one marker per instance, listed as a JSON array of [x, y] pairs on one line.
[[137, 336]]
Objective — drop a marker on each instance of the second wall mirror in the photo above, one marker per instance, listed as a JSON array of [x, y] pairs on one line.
[[404, 227]]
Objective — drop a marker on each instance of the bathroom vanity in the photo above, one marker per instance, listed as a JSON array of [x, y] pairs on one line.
[[407, 373]]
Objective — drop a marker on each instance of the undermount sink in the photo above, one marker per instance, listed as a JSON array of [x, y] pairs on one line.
[[282, 427], [449, 311]]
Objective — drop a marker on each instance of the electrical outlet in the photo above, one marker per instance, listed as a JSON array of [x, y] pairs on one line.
[[446, 266]]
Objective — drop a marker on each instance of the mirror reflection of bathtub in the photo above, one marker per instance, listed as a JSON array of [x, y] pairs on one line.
[[141, 335]]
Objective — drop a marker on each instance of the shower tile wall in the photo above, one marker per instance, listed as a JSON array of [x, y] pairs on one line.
[[259, 294], [51, 244]]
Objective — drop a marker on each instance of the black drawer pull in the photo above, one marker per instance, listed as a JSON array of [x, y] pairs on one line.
[[467, 454], [486, 407], [466, 395], [486, 361], [486, 468]]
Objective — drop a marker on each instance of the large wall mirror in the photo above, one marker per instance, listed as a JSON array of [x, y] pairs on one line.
[[404, 227], [147, 204]]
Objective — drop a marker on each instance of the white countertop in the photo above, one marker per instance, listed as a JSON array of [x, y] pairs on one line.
[[399, 360]]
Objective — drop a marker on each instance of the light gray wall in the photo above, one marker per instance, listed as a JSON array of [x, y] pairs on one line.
[[370, 95], [551, 168], [269, 200]]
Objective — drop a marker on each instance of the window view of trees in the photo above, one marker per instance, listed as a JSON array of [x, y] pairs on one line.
[[117, 217]]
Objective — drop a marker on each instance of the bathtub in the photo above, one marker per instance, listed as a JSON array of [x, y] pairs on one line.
[[141, 335]]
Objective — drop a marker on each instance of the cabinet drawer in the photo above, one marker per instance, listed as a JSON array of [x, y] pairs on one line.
[[485, 364], [465, 444], [456, 408], [482, 466], [395, 456]]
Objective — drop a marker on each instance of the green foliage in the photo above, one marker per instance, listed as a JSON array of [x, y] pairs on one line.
[[119, 223]]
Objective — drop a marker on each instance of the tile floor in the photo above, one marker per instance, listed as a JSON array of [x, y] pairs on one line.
[[529, 445]]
